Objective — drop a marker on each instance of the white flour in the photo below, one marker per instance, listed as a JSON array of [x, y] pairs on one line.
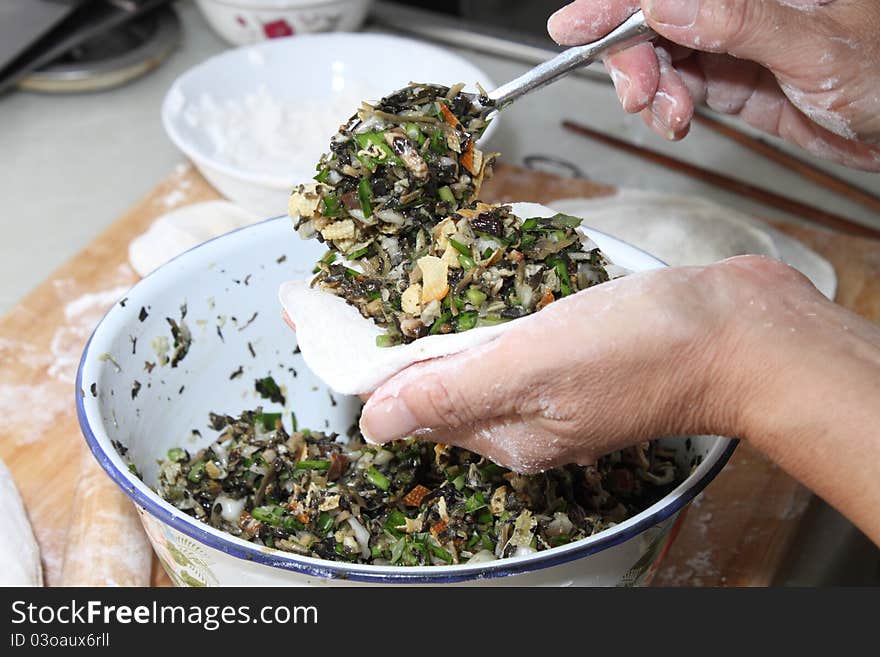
[[264, 134]]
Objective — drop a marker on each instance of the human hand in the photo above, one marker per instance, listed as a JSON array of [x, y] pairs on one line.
[[664, 352], [805, 70]]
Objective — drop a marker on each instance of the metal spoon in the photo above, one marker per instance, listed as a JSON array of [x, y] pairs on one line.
[[633, 30]]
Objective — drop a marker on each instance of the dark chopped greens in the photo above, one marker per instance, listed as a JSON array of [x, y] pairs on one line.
[[477, 267], [394, 166], [408, 503], [411, 246], [268, 389]]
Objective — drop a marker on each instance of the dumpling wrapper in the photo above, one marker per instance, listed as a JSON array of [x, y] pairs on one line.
[[339, 344], [19, 551], [182, 229]]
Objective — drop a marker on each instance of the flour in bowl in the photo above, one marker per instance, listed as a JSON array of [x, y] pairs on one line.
[[264, 134]]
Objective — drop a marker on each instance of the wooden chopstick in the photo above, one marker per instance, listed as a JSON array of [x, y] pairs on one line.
[[799, 166], [772, 199]]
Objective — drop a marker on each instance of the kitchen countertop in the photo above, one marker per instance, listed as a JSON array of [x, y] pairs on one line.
[[76, 162]]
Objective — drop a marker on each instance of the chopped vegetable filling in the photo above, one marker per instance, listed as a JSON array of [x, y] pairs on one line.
[[407, 503], [397, 198], [477, 267]]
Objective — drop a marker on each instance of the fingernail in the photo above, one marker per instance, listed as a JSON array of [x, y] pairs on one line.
[[386, 420], [621, 82], [559, 27], [678, 13]]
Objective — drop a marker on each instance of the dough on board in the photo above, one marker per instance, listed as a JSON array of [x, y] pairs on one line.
[[19, 552], [182, 229], [684, 230], [100, 509]]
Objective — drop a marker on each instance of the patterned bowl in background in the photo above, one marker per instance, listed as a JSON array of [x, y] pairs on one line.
[[247, 21]]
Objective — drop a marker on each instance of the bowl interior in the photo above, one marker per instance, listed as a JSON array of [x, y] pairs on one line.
[[225, 293], [307, 69]]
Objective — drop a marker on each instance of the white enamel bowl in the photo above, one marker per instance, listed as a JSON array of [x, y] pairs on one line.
[[312, 70], [231, 282]]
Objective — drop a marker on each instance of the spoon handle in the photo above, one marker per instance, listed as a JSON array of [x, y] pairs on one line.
[[633, 30]]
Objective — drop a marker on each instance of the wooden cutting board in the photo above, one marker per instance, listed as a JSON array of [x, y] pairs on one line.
[[736, 533]]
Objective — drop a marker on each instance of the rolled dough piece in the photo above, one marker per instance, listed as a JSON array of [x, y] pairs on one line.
[[682, 230], [339, 344], [677, 229], [19, 552], [106, 544], [182, 229]]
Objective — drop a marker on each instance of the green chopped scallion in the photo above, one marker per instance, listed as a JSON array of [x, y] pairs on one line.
[[385, 340], [440, 553], [331, 205], [196, 472], [376, 139], [176, 454], [476, 296], [466, 321], [446, 195], [267, 420], [365, 196], [474, 503], [291, 524], [271, 515], [438, 141], [360, 253], [566, 220], [439, 322], [461, 248], [313, 465], [414, 133], [395, 519], [325, 523], [563, 276], [377, 479]]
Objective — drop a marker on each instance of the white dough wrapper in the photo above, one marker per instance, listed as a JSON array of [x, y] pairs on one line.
[[683, 230], [106, 544], [339, 344], [182, 229], [19, 552]]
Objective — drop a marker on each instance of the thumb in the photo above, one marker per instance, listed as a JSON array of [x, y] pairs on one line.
[[747, 29], [447, 393]]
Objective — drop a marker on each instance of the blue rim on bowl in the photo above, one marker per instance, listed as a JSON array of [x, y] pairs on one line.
[[100, 445]]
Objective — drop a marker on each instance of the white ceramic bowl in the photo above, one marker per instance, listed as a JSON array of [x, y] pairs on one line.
[[247, 21], [314, 71], [237, 276]]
